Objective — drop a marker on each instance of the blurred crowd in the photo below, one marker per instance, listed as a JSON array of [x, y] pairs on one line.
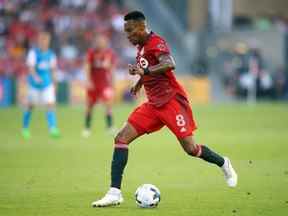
[[72, 24], [245, 72], [246, 68], [261, 22]]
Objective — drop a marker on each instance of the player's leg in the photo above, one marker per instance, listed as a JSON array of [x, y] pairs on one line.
[[111, 129], [91, 97], [88, 118], [108, 115], [52, 120], [120, 157], [49, 99], [32, 99], [107, 98], [191, 148], [201, 151], [178, 117], [26, 119], [141, 121]]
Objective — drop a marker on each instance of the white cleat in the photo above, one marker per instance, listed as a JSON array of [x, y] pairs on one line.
[[86, 133], [229, 173], [113, 197]]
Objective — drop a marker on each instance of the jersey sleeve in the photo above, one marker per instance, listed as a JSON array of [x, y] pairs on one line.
[[158, 47], [53, 60], [31, 58]]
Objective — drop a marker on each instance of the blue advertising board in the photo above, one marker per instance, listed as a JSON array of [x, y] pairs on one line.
[[6, 91]]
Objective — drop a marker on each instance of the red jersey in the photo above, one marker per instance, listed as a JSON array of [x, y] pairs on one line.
[[99, 74], [159, 88]]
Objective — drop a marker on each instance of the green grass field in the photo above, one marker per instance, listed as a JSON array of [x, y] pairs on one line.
[[48, 177]]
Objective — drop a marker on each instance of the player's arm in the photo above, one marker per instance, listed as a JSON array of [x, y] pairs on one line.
[[54, 68], [166, 62], [86, 69], [31, 62], [136, 88]]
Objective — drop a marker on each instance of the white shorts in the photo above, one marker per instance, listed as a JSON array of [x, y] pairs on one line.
[[41, 96]]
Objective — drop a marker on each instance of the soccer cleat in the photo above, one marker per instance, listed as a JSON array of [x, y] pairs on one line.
[[54, 132], [26, 133], [113, 197], [86, 133], [229, 173]]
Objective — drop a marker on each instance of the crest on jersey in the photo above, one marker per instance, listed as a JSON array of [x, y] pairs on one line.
[[43, 65], [143, 62]]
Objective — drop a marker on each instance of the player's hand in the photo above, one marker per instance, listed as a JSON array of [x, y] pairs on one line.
[[134, 70], [131, 69]]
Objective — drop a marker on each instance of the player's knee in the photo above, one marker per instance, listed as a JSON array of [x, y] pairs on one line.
[[117, 138], [89, 107], [30, 107], [190, 146], [88, 111], [195, 150], [120, 141]]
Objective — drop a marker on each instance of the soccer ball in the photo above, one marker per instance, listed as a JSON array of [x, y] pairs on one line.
[[147, 196]]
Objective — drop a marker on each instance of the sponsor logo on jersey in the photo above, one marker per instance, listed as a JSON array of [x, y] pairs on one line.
[[143, 62], [183, 129]]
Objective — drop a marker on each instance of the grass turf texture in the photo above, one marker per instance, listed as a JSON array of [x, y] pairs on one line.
[[45, 176]]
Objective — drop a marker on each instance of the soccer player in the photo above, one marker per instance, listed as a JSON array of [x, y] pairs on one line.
[[42, 65], [99, 65], [167, 106]]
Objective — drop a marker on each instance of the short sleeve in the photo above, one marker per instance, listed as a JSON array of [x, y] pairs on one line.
[[31, 58], [158, 46], [53, 60]]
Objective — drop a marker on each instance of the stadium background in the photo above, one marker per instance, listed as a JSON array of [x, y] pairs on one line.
[[213, 43], [231, 56]]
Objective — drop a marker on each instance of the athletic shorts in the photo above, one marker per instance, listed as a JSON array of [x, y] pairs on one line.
[[104, 94], [41, 96], [176, 115]]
